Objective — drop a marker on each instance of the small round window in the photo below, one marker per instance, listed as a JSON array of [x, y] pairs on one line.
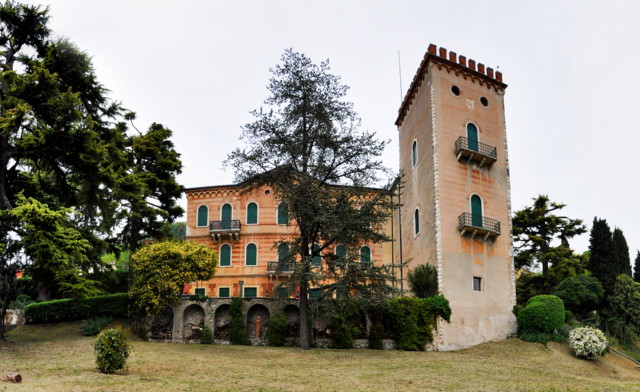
[[267, 192], [484, 101], [455, 90]]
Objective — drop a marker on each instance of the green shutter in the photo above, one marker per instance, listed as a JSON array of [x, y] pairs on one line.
[[200, 292], [252, 214], [472, 136], [225, 256], [476, 211], [341, 251], [202, 216], [252, 251], [226, 212], [283, 214], [283, 249], [224, 292], [314, 293], [365, 254], [317, 260], [250, 292]]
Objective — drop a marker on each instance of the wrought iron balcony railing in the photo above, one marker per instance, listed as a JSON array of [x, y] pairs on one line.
[[474, 150], [280, 267], [478, 224], [224, 225]]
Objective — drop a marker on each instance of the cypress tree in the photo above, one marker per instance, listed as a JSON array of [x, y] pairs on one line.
[[621, 252], [636, 269], [602, 262]]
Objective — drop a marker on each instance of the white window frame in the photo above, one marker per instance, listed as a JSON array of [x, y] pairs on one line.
[[245, 255], [475, 125], [222, 206], [230, 255], [481, 203], [198, 209], [246, 208]]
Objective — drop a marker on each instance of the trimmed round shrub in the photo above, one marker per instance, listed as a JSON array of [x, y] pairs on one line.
[[543, 314], [111, 349], [516, 309], [587, 342], [568, 316], [206, 337], [277, 330]]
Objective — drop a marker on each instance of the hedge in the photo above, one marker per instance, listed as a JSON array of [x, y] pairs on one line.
[[543, 314], [113, 305], [412, 320]]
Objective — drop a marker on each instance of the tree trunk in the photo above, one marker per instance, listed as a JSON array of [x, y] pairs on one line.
[[13, 377], [133, 246], [3, 312], [304, 317]]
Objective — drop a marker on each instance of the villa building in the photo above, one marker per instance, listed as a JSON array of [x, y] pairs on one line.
[[455, 212]]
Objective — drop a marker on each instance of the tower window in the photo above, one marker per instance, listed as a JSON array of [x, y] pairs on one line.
[[416, 222], [203, 216], [414, 152], [477, 284], [455, 91], [484, 101]]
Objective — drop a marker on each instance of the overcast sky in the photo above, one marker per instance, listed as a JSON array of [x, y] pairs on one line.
[[200, 67]]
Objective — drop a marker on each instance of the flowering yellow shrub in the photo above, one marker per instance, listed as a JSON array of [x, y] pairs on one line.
[[161, 270]]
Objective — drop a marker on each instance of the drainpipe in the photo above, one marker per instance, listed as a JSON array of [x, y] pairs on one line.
[[240, 284]]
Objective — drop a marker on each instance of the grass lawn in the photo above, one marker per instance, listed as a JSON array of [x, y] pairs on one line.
[[56, 357]]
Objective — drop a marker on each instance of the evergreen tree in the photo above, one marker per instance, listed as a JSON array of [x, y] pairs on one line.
[[602, 261], [621, 251], [307, 148], [636, 268], [535, 227]]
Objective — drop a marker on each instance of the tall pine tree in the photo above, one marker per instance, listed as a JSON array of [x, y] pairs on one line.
[[621, 251], [636, 269], [602, 261]]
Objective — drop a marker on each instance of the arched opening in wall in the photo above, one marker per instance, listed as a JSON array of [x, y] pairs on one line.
[[222, 323], [192, 322], [252, 321], [203, 216], [292, 314], [472, 137], [162, 325], [476, 211]]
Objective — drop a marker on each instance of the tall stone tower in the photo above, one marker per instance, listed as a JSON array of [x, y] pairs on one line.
[[456, 199]]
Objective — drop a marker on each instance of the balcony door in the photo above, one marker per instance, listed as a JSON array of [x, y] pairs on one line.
[[283, 249], [226, 216], [472, 137], [476, 211]]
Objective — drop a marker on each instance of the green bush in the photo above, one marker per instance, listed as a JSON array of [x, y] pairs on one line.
[[343, 334], [543, 314], [21, 301], [568, 316], [111, 350], [206, 337], [277, 329], [516, 309], [423, 281], [238, 334], [94, 325], [413, 319], [113, 305]]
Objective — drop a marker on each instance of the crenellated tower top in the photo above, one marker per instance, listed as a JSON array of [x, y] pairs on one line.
[[452, 63]]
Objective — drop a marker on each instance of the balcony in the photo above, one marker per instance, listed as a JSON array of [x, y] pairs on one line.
[[221, 228], [473, 150], [478, 225], [277, 268]]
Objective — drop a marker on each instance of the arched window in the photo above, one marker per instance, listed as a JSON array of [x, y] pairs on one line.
[[472, 137], [365, 254], [252, 255], [283, 214], [203, 216], [317, 259], [227, 212], [476, 211], [341, 251], [252, 214], [283, 250], [416, 222], [414, 152], [225, 255]]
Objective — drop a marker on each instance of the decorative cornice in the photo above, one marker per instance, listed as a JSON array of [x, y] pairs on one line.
[[459, 67], [201, 193]]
